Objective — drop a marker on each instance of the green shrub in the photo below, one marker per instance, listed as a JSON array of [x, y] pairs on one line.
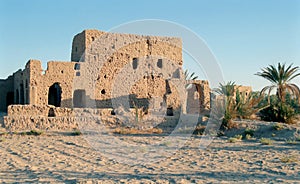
[[266, 141], [278, 126], [279, 112], [248, 136], [31, 132], [291, 141], [233, 140], [289, 159], [76, 133], [249, 131], [239, 137]]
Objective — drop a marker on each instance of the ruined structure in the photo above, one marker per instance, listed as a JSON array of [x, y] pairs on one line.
[[48, 95]]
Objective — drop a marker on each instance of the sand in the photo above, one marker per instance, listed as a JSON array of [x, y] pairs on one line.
[[59, 157]]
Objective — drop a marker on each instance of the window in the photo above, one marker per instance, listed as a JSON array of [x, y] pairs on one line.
[[93, 38], [77, 66], [170, 111], [159, 63], [135, 63]]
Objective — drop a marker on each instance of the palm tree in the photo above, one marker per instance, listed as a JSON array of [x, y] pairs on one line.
[[280, 79], [189, 77], [226, 89], [226, 103]]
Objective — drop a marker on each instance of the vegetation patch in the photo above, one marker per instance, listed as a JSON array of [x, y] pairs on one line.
[[278, 126], [266, 141], [291, 141], [76, 133], [289, 159], [249, 132], [31, 132]]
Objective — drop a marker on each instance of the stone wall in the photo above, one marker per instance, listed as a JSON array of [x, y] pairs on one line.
[[198, 97], [6, 93], [58, 72], [147, 68]]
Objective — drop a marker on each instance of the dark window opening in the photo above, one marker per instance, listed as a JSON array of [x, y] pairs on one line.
[[75, 49], [135, 63], [62, 71], [79, 98], [9, 98], [112, 112], [105, 76], [170, 111], [159, 63], [51, 112], [54, 95], [77, 66], [168, 88], [22, 93], [77, 74], [93, 38], [103, 91]]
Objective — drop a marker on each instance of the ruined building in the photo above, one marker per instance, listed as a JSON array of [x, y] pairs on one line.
[[53, 92]]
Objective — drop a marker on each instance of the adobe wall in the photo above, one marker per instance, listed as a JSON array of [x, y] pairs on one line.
[[57, 72], [114, 53], [198, 99], [243, 90], [33, 117], [6, 86], [81, 41]]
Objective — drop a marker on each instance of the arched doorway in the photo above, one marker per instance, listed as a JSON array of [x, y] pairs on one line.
[[54, 95]]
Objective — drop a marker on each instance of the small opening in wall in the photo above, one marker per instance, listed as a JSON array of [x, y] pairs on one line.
[[159, 63], [105, 76], [75, 49], [112, 112], [62, 71], [51, 112], [170, 111], [93, 38], [103, 91], [135, 63], [77, 73], [77, 66]]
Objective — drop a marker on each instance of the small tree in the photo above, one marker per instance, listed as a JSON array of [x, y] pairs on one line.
[[280, 78]]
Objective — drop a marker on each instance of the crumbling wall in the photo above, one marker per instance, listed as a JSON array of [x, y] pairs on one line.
[[124, 52], [243, 90], [6, 93], [61, 73], [198, 100], [81, 41]]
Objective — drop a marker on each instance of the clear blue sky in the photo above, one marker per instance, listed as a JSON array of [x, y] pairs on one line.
[[244, 35]]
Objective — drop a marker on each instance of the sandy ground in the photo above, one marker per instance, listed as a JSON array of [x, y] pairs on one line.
[[57, 157]]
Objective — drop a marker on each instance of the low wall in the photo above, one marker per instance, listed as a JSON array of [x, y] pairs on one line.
[[32, 117]]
